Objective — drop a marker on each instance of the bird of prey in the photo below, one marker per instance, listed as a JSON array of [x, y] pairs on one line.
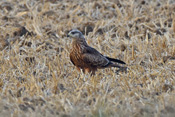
[[87, 58]]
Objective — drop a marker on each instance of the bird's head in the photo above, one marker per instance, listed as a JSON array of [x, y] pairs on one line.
[[76, 34]]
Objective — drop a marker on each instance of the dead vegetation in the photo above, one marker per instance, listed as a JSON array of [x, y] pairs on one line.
[[38, 79]]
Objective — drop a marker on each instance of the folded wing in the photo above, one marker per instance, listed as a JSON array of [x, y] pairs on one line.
[[95, 59]]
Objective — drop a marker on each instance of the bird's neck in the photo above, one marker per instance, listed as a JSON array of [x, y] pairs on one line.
[[81, 41], [79, 45]]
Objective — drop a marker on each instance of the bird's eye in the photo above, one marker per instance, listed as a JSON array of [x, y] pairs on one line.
[[73, 33]]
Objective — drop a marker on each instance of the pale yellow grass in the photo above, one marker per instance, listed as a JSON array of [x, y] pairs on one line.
[[38, 79]]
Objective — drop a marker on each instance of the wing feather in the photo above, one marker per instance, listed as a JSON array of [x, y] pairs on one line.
[[94, 58], [72, 59]]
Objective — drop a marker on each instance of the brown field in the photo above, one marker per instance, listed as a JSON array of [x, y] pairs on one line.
[[38, 79]]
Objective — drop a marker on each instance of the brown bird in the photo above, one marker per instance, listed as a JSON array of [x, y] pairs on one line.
[[87, 58]]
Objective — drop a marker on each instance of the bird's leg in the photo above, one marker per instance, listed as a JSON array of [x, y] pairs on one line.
[[83, 70], [93, 72], [87, 70]]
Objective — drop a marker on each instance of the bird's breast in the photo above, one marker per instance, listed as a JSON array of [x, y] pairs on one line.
[[76, 56]]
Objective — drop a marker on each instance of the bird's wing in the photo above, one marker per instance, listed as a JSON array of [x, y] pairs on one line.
[[71, 59], [94, 58]]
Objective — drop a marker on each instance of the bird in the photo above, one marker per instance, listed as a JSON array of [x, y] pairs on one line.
[[88, 58]]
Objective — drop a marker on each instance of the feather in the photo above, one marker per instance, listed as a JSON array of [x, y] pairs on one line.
[[115, 60]]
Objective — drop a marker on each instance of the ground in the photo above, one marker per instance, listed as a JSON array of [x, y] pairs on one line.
[[38, 79]]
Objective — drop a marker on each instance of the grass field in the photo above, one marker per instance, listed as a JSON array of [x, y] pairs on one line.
[[38, 79]]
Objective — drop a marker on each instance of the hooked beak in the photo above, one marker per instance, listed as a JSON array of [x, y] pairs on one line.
[[69, 34]]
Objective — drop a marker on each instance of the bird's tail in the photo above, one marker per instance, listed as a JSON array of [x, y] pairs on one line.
[[115, 60]]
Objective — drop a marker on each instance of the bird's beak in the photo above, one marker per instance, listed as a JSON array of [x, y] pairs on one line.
[[69, 34]]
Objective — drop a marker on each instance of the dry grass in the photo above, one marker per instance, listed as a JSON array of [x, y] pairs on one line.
[[38, 79]]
